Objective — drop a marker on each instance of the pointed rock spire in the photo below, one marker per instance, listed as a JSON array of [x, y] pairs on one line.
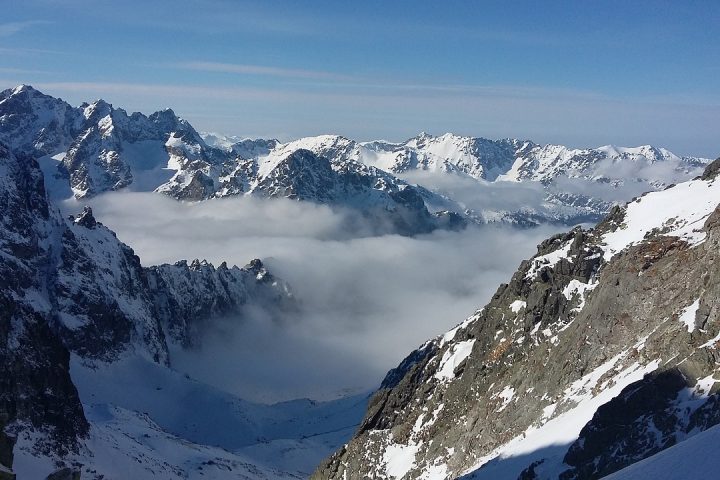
[[86, 218]]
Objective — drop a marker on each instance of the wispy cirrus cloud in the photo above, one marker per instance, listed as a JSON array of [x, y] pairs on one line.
[[23, 71], [245, 69], [19, 51], [11, 28], [169, 91], [349, 94]]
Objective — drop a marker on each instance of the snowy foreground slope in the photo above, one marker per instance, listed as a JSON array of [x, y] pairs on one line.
[[96, 148], [697, 457], [601, 351], [151, 422], [85, 339]]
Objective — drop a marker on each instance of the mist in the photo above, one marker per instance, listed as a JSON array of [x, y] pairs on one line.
[[479, 194], [366, 301], [633, 176]]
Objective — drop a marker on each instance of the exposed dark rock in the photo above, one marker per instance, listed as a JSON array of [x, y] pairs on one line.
[[6, 475], [198, 187], [66, 473], [529, 473], [712, 170], [86, 218], [564, 314], [186, 297], [638, 423], [35, 387]]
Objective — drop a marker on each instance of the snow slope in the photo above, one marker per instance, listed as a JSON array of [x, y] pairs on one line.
[[152, 422], [128, 444], [288, 437], [696, 457], [680, 211]]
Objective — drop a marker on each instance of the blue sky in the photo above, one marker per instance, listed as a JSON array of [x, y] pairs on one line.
[[579, 73]]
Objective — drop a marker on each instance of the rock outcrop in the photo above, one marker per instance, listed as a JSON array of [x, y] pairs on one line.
[[600, 351]]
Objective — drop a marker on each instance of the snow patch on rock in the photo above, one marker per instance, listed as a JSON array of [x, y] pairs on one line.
[[452, 358], [680, 212], [687, 317]]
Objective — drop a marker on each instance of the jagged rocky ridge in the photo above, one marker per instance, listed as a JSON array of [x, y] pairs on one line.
[[97, 148], [601, 351], [70, 287]]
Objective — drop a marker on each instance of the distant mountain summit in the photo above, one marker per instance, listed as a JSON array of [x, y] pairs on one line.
[[521, 160], [99, 148]]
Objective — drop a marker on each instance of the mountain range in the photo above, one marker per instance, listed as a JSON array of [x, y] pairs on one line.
[[96, 148]]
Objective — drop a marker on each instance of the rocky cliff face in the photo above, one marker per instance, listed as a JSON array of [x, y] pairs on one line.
[[601, 351], [36, 392], [70, 286], [186, 297]]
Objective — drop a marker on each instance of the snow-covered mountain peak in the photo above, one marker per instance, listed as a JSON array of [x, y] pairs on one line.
[[420, 137], [334, 147], [97, 109], [24, 93], [23, 90], [647, 153], [448, 153], [219, 140], [167, 121], [37, 124]]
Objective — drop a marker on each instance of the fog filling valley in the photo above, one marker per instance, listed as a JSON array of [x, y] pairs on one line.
[[366, 302]]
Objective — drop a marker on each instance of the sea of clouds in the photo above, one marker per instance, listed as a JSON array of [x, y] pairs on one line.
[[366, 301]]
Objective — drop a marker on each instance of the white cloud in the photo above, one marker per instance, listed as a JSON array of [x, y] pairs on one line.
[[480, 195], [11, 28], [245, 69], [366, 302], [22, 71]]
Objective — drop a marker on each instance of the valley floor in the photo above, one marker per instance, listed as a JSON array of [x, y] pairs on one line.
[[148, 421]]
